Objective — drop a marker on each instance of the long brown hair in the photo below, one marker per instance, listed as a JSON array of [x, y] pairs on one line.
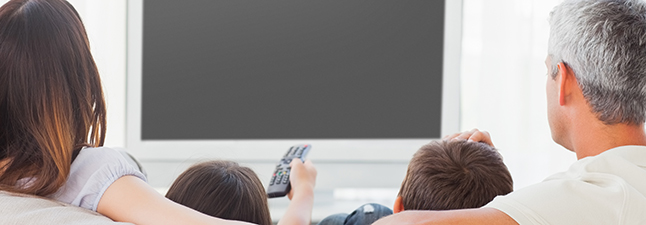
[[51, 101], [222, 189]]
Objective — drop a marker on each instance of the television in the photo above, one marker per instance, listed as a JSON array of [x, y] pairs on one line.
[[365, 82]]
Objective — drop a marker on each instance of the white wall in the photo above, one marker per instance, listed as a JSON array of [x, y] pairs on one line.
[[503, 84], [105, 22]]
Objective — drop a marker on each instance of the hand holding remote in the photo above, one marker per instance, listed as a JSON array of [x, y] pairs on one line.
[[302, 178], [280, 184]]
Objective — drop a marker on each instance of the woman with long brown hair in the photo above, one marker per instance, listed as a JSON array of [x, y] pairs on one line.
[[52, 125]]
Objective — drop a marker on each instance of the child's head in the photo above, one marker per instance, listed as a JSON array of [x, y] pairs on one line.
[[222, 189], [453, 175]]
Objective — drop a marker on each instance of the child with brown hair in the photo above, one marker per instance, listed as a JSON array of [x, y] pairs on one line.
[[442, 175], [226, 190], [222, 189], [446, 175]]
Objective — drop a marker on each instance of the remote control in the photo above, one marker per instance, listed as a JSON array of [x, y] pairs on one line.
[[279, 184]]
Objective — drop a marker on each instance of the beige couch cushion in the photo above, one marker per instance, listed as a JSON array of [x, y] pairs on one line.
[[25, 209]]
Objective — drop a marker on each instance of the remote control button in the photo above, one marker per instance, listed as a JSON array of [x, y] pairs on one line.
[[286, 176], [273, 178], [288, 151]]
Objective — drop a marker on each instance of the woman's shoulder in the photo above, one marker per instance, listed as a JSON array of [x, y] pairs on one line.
[[92, 172], [91, 153], [105, 155]]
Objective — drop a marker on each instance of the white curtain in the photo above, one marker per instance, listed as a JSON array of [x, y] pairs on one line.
[[503, 78]]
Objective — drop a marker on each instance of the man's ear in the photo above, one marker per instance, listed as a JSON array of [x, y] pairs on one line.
[[561, 78], [565, 78], [399, 205]]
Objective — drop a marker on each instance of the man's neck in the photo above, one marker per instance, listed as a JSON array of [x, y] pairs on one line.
[[591, 139]]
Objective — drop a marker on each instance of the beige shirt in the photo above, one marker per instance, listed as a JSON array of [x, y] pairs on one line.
[[609, 188]]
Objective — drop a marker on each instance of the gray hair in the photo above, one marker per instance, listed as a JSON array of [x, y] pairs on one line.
[[604, 43]]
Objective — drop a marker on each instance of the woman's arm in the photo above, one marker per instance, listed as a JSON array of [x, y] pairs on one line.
[[129, 199], [302, 180]]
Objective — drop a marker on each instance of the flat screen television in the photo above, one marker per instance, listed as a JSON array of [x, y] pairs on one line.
[[365, 82]]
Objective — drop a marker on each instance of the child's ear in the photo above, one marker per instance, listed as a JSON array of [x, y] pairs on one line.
[[399, 205]]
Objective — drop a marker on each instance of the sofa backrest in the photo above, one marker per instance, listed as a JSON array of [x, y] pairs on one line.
[[27, 209]]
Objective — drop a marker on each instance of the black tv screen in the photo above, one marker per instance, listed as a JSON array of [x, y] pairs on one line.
[[292, 69]]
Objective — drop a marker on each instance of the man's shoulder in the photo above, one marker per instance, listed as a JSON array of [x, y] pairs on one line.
[[612, 184], [623, 166]]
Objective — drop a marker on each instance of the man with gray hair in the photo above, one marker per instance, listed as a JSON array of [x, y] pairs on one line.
[[596, 103]]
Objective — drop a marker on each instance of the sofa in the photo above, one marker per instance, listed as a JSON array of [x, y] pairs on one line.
[[27, 209]]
